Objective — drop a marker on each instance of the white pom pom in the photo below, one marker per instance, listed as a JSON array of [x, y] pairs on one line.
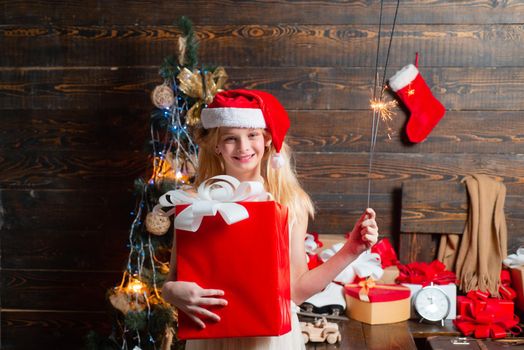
[[277, 161]]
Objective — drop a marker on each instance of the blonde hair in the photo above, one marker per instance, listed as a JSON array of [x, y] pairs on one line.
[[281, 183]]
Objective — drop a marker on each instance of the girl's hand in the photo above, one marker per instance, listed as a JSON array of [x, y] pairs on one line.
[[190, 297], [365, 233]]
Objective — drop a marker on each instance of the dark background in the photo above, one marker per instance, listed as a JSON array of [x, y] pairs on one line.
[[75, 78]]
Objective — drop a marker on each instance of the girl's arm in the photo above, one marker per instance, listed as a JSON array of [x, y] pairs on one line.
[[304, 282]]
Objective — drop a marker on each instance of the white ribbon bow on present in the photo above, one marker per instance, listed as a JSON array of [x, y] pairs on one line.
[[366, 265], [514, 260], [217, 194]]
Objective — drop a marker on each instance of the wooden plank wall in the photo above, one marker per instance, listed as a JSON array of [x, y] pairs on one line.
[[75, 78]]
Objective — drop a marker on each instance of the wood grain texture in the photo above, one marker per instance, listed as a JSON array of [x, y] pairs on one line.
[[60, 330], [77, 209], [260, 12], [57, 290], [467, 88], [388, 336], [495, 132], [417, 247], [348, 172], [433, 207], [54, 249], [253, 45], [78, 130], [63, 169]]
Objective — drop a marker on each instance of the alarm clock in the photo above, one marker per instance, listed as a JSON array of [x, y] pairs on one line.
[[432, 304]]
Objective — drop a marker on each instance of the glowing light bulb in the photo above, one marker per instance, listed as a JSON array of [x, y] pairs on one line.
[[135, 286]]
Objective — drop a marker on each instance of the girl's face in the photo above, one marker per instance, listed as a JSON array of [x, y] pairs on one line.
[[242, 151]]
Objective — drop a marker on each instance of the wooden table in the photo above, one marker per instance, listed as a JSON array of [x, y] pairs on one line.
[[402, 336]]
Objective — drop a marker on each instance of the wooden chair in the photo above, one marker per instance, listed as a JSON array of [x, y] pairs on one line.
[[429, 209]]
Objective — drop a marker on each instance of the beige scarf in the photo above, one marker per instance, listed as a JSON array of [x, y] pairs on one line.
[[484, 241]]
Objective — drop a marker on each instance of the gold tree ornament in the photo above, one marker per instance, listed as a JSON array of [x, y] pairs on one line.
[[163, 96], [203, 88], [182, 44], [157, 224], [123, 302]]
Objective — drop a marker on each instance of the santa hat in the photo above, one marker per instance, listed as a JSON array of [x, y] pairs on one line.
[[249, 109]]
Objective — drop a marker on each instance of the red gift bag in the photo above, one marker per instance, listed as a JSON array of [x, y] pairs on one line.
[[249, 260]]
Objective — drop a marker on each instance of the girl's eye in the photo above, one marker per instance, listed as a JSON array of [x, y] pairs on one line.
[[253, 134], [229, 139]]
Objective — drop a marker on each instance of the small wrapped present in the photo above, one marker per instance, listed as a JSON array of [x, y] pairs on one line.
[[515, 262], [417, 275], [484, 317], [377, 303], [390, 275], [243, 251]]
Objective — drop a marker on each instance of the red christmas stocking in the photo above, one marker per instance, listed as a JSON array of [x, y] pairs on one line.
[[426, 110]]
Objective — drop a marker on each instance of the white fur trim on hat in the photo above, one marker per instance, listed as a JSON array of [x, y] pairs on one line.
[[233, 117], [403, 77], [277, 161]]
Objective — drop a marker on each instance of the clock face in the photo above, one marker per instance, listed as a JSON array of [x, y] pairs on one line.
[[432, 303]]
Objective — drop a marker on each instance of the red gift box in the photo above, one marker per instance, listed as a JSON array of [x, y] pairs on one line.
[[485, 317], [377, 303], [249, 260]]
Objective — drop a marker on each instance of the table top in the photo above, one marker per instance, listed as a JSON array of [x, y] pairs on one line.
[[401, 335]]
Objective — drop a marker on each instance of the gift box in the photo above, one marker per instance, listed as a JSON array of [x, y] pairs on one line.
[[517, 280], [226, 240], [390, 275], [450, 290], [249, 260], [484, 317], [239, 259], [377, 303]]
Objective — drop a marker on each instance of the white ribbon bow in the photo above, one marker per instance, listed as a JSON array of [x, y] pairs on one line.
[[217, 194], [514, 260], [366, 265]]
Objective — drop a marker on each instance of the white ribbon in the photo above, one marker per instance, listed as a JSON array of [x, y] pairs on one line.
[[217, 194], [366, 265], [515, 260]]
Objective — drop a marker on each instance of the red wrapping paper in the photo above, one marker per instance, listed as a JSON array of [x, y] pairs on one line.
[[249, 260], [505, 290], [484, 317], [388, 256]]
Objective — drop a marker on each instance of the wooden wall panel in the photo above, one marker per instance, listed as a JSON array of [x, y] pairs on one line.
[[302, 88], [75, 78], [282, 11], [349, 45], [21, 330], [73, 130], [484, 132]]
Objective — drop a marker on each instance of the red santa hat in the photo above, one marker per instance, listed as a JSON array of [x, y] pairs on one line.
[[249, 109]]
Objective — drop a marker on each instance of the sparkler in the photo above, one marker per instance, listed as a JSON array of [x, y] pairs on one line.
[[382, 109]]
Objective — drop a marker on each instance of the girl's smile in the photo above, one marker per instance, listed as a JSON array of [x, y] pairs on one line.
[[242, 150]]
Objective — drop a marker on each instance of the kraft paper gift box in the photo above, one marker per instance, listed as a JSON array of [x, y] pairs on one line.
[[517, 281], [450, 290], [249, 260], [388, 303], [390, 275]]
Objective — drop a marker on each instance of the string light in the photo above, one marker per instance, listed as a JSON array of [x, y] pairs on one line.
[[135, 286]]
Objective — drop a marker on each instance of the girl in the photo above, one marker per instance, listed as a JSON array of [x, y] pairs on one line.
[[242, 130]]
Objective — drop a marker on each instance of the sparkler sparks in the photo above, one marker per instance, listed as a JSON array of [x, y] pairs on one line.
[[383, 108]]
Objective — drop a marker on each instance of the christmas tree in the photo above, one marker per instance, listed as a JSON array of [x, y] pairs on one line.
[[142, 319]]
